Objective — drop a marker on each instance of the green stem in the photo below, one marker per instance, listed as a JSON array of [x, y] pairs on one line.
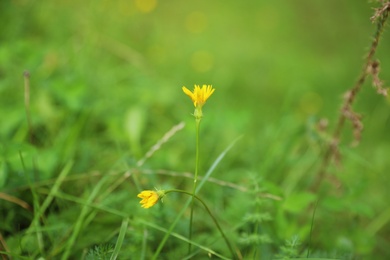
[[194, 196], [197, 120], [185, 206]]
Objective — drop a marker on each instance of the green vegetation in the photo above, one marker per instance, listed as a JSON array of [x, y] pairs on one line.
[[92, 113]]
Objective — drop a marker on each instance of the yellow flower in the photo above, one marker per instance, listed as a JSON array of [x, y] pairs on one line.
[[150, 198], [199, 95]]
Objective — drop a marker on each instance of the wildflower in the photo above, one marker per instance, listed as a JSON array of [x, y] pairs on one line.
[[199, 96], [150, 197]]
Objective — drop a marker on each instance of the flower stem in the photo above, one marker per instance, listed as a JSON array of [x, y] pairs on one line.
[[185, 206], [194, 196], [197, 120]]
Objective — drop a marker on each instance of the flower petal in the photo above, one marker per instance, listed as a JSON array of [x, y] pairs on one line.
[[149, 198], [199, 95]]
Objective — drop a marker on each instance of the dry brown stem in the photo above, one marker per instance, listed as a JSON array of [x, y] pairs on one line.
[[370, 67]]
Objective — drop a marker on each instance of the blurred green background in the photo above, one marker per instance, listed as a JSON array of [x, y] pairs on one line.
[[106, 80]]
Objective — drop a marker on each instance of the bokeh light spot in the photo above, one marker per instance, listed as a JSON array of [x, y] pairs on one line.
[[146, 6]]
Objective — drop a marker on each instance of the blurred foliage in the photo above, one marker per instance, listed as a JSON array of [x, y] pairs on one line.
[[106, 80]]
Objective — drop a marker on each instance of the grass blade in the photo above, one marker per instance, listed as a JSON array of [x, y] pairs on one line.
[[121, 237]]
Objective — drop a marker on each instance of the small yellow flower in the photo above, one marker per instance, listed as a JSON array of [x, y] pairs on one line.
[[150, 198], [199, 95]]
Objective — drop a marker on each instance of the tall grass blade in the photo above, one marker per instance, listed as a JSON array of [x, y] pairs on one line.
[[121, 237], [81, 219]]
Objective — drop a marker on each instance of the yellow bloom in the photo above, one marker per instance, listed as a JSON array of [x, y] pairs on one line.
[[149, 198], [199, 95]]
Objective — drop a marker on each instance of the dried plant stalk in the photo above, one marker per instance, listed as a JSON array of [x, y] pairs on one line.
[[370, 67]]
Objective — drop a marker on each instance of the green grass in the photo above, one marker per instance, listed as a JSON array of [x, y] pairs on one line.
[[105, 87]]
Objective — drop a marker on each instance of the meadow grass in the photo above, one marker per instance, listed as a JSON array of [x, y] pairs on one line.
[[288, 167]]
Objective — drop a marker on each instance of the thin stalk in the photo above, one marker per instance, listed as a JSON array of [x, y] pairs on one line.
[[311, 228], [26, 76], [197, 120], [180, 237], [257, 225], [185, 206], [194, 196]]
